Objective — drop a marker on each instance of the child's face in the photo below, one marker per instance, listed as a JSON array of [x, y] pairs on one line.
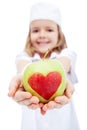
[[43, 35]]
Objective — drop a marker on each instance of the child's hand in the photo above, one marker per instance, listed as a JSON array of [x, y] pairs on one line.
[[16, 91], [59, 101]]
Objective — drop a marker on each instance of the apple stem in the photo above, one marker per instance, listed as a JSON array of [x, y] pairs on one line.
[[46, 54]]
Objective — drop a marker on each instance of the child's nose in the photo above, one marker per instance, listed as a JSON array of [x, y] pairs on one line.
[[42, 33]]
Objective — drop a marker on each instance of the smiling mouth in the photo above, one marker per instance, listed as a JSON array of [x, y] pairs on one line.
[[42, 42]]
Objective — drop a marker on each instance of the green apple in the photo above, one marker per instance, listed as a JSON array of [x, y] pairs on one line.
[[45, 79]]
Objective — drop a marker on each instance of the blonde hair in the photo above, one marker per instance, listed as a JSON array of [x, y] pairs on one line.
[[61, 44]]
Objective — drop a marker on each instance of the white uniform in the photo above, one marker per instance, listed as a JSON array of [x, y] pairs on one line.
[[57, 119]]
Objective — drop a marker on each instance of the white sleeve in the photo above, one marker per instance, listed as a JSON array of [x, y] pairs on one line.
[[72, 55], [22, 55]]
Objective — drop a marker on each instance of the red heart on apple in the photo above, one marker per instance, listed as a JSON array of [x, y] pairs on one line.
[[45, 79], [48, 84]]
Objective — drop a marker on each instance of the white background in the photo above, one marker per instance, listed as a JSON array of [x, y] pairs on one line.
[[14, 21]]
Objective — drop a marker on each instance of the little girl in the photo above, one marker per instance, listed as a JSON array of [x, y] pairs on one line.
[[45, 34]]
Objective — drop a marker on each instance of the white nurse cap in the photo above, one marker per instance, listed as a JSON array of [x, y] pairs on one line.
[[45, 11]]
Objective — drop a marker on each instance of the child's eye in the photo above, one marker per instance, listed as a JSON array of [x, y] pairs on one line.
[[50, 30], [34, 31]]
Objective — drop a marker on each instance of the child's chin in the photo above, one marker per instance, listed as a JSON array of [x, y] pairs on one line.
[[43, 51]]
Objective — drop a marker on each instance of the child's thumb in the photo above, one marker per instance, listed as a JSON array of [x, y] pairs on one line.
[[13, 87]]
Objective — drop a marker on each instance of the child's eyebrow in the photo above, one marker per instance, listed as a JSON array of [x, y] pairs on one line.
[[50, 27], [34, 27]]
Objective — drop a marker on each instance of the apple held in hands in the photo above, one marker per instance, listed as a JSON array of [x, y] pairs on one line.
[[45, 79]]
